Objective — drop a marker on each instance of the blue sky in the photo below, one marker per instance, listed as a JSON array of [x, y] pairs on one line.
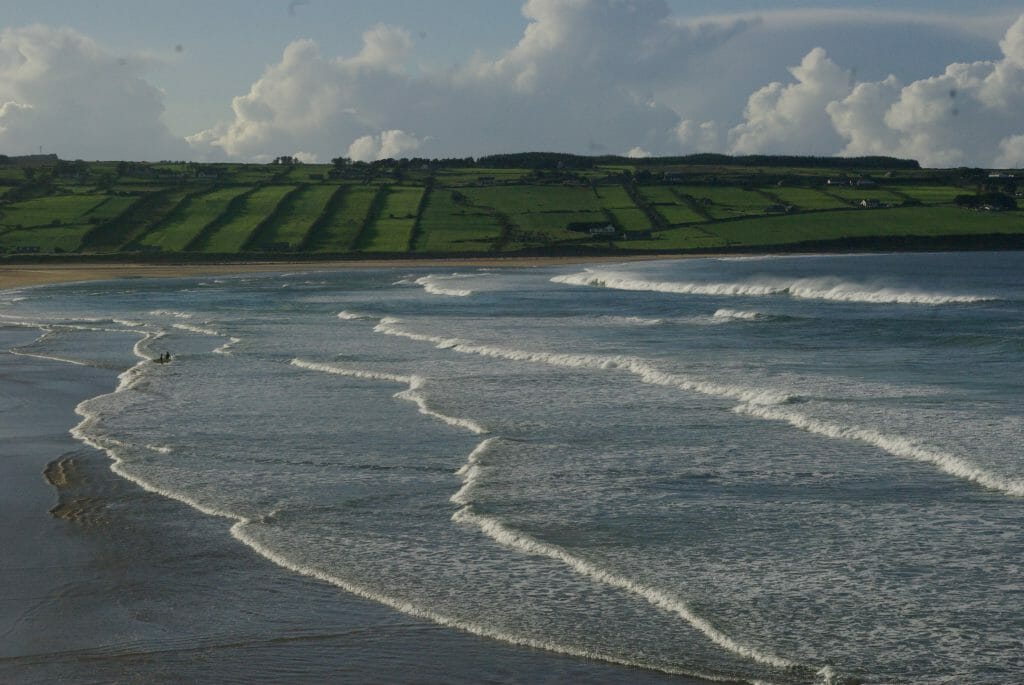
[[253, 79]]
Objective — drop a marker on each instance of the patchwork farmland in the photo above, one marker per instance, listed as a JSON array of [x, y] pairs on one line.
[[493, 207]]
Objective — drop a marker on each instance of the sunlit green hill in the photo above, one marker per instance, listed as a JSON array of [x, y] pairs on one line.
[[501, 205]]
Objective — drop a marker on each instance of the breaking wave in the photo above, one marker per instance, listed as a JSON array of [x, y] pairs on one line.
[[736, 315], [803, 288], [412, 394], [893, 444], [643, 369]]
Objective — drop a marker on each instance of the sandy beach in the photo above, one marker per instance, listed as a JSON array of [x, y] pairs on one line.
[[23, 275]]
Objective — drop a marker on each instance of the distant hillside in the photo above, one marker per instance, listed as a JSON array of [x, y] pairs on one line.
[[524, 203]]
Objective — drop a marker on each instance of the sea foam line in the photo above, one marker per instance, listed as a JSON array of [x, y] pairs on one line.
[[803, 288], [762, 404], [638, 367], [470, 473], [239, 530], [412, 394], [895, 445], [430, 284], [240, 533], [513, 539]]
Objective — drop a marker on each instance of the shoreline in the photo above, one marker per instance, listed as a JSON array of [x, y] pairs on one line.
[[34, 274], [105, 581]]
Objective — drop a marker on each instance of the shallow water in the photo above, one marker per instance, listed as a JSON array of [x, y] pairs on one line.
[[785, 469]]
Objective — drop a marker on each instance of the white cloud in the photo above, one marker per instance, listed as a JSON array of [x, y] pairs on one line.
[[61, 90], [637, 153], [1011, 152], [968, 115], [699, 137], [393, 144], [791, 119], [585, 74]]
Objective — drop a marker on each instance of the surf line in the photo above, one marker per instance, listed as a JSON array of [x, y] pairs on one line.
[[470, 472], [762, 404], [513, 539], [507, 537]]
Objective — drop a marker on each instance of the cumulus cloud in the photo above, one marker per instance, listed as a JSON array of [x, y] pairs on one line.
[[704, 136], [637, 153], [792, 118], [61, 90], [970, 114], [393, 144], [583, 71]]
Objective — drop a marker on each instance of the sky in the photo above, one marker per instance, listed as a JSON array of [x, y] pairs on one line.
[[249, 80]]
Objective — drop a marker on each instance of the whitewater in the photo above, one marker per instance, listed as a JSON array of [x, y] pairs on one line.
[[766, 471]]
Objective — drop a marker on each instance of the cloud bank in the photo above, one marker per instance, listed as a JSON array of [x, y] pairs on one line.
[[586, 76], [61, 90]]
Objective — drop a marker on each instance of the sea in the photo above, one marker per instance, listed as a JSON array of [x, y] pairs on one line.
[[786, 469]]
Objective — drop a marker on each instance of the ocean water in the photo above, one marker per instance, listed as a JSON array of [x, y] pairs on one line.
[[780, 470]]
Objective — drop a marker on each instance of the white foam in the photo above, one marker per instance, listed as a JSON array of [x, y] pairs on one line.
[[631, 320], [354, 373], [171, 313], [239, 532], [617, 282], [736, 314], [522, 542], [804, 288], [893, 444], [226, 347], [353, 316], [412, 394], [646, 371], [433, 285], [196, 329]]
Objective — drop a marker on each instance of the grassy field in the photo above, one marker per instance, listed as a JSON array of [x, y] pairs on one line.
[[451, 225], [854, 223], [668, 203], [727, 202], [344, 220], [807, 199], [189, 218], [49, 211], [392, 228], [932, 195], [296, 216], [427, 208], [234, 231]]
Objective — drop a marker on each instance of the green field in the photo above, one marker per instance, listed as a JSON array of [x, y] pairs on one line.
[[233, 233], [49, 211], [722, 202], [668, 203], [428, 207], [451, 225], [855, 195], [933, 195], [189, 218], [392, 228], [342, 223], [296, 215], [807, 198], [854, 223]]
